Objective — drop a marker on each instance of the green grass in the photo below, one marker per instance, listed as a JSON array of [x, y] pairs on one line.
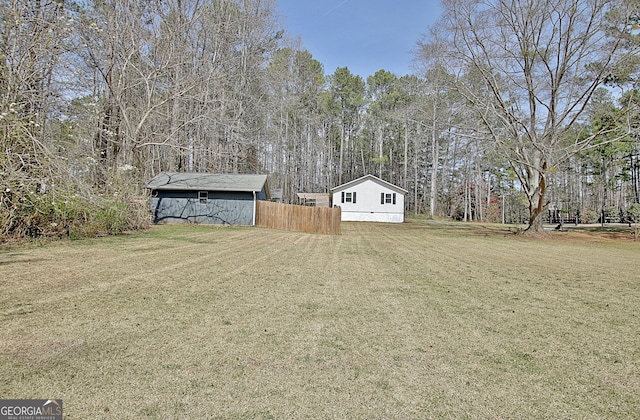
[[419, 320]]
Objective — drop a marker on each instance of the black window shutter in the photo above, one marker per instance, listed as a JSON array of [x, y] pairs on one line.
[[381, 198], [343, 196], [394, 198], [354, 198]]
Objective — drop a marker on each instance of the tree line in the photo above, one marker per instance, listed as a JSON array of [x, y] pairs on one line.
[[518, 110]]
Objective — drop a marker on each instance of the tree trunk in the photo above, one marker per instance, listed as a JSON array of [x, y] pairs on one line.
[[434, 169], [342, 134], [538, 189], [406, 152]]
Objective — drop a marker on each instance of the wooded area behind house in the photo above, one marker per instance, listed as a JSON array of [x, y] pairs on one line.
[[517, 110]]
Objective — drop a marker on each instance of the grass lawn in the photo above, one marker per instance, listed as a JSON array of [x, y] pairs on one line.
[[418, 320]]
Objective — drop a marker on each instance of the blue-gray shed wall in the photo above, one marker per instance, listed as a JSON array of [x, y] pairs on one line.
[[222, 208]]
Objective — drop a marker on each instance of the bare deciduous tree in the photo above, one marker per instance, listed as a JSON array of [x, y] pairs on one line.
[[541, 62]]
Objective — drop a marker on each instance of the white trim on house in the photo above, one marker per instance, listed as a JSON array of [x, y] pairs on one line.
[[370, 199], [255, 205]]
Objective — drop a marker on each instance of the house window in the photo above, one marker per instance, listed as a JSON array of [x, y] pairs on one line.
[[203, 197], [348, 197], [387, 198]]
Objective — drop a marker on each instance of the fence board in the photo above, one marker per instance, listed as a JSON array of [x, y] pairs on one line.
[[298, 218]]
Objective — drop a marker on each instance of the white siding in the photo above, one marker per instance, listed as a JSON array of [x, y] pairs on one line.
[[354, 216], [368, 206]]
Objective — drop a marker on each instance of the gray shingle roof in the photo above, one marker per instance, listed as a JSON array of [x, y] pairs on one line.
[[206, 182]]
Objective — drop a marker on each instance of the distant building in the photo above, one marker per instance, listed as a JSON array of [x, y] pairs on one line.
[[276, 195], [370, 199], [313, 199], [220, 199]]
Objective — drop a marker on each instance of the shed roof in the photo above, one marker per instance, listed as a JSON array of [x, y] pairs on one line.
[[207, 182], [371, 178]]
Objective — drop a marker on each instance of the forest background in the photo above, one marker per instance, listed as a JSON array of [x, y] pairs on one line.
[[517, 110]]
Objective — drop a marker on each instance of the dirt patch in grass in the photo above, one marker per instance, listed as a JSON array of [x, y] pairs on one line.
[[383, 321]]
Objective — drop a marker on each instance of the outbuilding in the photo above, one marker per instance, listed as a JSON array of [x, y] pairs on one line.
[[370, 199], [220, 199]]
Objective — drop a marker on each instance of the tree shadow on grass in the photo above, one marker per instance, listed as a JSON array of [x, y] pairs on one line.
[[579, 233]]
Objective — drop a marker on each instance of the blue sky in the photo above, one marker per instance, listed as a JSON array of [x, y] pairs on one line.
[[363, 35]]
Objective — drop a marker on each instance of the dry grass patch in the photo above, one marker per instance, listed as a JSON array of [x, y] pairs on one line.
[[384, 321]]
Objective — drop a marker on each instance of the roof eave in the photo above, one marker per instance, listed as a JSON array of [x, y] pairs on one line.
[[174, 188]]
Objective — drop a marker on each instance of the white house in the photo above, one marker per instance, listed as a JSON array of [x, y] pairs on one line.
[[370, 199]]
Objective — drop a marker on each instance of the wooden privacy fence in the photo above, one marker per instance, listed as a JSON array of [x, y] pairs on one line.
[[298, 218]]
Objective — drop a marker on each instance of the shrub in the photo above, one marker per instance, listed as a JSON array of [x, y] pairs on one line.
[[30, 211], [588, 216], [613, 214], [633, 213]]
